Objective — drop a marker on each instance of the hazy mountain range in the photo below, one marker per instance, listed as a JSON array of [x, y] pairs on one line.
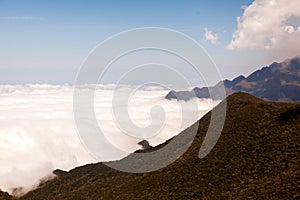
[[277, 82], [256, 157]]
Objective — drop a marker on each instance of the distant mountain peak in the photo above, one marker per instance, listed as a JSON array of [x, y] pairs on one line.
[[277, 82]]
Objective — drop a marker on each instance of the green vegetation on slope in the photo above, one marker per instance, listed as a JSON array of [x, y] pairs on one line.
[[5, 196], [256, 157]]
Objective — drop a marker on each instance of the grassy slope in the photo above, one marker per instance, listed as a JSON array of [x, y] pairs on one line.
[[257, 156], [5, 196]]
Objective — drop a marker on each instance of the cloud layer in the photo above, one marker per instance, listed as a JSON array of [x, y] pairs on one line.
[[209, 36], [272, 25], [38, 133]]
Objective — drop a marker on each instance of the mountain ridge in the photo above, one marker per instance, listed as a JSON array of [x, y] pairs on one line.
[[276, 82]]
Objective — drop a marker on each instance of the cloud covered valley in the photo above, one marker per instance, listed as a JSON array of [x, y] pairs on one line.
[[38, 133]]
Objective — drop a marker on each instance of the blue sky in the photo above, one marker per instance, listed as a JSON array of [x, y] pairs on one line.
[[46, 41]]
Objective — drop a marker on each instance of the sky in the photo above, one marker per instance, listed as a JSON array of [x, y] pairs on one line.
[[47, 41]]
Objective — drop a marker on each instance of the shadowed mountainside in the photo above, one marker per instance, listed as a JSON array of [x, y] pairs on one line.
[[256, 157], [5, 196], [277, 82]]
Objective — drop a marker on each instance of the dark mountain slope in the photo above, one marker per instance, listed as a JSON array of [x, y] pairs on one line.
[[278, 82], [5, 196], [256, 157]]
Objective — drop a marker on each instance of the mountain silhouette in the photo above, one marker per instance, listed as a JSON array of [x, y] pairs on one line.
[[277, 82]]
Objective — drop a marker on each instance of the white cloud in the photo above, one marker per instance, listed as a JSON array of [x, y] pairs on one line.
[[38, 134], [269, 25], [209, 36]]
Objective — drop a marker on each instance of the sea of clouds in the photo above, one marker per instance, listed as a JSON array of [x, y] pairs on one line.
[[38, 133]]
